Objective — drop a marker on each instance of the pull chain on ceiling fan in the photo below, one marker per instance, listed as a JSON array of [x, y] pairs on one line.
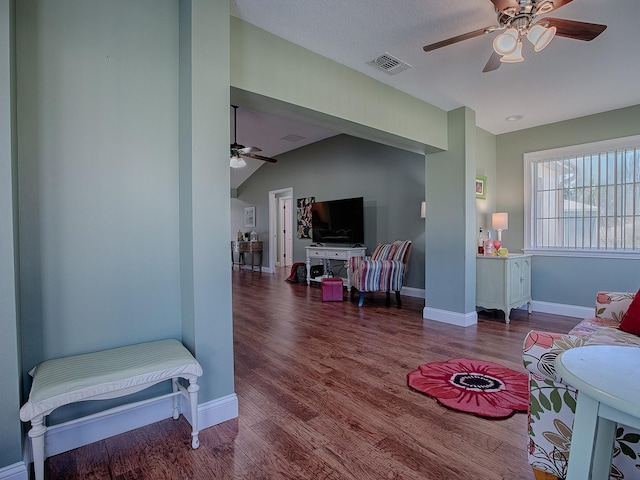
[[238, 151], [518, 19]]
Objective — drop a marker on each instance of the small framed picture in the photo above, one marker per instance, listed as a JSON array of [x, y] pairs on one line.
[[249, 216], [481, 187]]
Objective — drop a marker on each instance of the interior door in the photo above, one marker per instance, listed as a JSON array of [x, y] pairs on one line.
[[286, 232]]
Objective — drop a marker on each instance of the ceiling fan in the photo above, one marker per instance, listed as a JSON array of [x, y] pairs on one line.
[[238, 151], [519, 18]]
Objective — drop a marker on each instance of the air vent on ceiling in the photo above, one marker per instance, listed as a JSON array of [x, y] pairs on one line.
[[389, 64], [292, 137]]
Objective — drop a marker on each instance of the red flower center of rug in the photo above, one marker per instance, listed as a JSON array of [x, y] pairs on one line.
[[482, 388]]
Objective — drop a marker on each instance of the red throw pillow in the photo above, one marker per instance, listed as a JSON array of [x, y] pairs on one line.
[[631, 319]]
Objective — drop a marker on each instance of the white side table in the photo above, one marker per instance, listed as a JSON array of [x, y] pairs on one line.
[[608, 383], [503, 282], [326, 254]]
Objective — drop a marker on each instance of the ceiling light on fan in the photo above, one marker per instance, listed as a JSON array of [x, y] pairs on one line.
[[540, 36], [507, 42], [515, 56], [237, 161]]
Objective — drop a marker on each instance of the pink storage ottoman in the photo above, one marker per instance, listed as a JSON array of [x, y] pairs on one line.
[[331, 289]]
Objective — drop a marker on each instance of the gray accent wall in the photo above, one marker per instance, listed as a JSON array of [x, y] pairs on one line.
[[390, 180], [564, 280]]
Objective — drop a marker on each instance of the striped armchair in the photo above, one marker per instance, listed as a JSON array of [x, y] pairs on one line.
[[382, 272]]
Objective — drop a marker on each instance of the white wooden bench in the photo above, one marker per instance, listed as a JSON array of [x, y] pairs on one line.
[[108, 374]]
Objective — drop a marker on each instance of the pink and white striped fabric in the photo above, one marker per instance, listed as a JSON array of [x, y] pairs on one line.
[[384, 271]]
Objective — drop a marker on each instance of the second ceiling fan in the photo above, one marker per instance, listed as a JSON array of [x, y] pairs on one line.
[[518, 19], [238, 151]]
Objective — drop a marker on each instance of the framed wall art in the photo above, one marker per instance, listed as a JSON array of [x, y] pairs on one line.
[[250, 217], [481, 187], [304, 216]]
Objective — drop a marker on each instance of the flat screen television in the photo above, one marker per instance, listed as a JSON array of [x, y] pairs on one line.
[[338, 221]]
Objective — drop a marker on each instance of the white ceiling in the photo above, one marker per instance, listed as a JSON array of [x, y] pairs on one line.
[[569, 79]]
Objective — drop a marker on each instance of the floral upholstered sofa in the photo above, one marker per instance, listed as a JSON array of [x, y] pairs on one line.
[[552, 403]]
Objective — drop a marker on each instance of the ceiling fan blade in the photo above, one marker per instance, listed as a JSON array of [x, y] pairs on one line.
[[576, 30], [493, 63], [459, 38], [244, 150], [508, 7], [259, 157]]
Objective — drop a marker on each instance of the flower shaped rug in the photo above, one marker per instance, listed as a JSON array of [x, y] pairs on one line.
[[482, 388]]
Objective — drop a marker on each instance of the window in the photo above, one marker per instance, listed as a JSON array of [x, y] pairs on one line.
[[584, 199]]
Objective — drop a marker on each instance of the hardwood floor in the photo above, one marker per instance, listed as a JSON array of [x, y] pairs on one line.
[[322, 395]]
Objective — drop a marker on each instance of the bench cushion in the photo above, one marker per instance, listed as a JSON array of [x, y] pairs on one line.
[[104, 374]]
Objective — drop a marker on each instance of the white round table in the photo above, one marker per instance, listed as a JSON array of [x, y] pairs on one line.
[[608, 383]]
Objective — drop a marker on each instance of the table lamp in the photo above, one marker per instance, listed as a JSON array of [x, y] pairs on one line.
[[499, 222]]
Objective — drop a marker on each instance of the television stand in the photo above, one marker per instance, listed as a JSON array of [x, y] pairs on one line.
[[326, 254]]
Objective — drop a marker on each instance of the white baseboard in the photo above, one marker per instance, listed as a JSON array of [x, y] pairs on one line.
[[17, 471], [453, 318], [67, 437], [216, 411], [465, 320], [413, 292], [562, 309]]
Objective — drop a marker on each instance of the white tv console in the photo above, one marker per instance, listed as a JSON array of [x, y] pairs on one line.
[[326, 254]]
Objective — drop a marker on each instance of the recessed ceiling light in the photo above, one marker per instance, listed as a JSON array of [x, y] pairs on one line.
[[514, 118]]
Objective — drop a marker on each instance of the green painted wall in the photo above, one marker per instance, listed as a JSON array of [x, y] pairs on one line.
[[98, 171], [123, 187], [563, 280], [451, 218], [207, 325], [264, 64], [120, 201], [486, 166], [390, 180], [10, 427]]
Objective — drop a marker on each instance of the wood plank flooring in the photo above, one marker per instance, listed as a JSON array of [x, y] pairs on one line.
[[322, 395]]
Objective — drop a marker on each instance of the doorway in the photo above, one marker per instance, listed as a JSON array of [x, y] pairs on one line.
[[281, 213]]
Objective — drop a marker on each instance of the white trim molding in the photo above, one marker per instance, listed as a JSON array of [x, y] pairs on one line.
[[562, 309], [59, 439], [413, 292], [216, 411], [452, 318], [468, 319], [17, 471]]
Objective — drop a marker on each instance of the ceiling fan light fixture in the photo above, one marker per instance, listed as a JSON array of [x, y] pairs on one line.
[[515, 56], [237, 161], [506, 43], [540, 36]]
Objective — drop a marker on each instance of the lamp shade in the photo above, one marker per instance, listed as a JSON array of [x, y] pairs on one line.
[[515, 56], [507, 42], [500, 221], [540, 36], [237, 161]]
